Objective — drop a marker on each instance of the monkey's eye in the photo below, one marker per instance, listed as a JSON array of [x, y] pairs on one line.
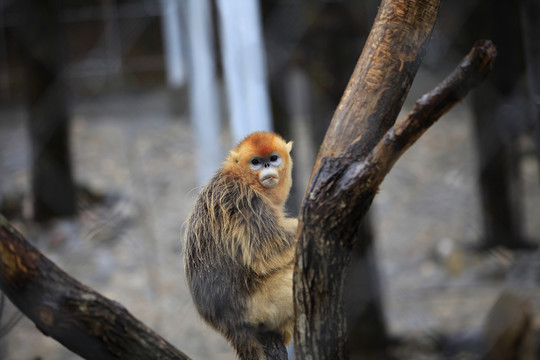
[[275, 160], [255, 164]]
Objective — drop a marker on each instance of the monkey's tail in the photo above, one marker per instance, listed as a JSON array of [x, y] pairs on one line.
[[253, 345]]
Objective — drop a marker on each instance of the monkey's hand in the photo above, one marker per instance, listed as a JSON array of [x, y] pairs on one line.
[[291, 225]]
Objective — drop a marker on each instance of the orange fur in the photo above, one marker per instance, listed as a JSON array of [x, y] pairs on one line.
[[262, 144]]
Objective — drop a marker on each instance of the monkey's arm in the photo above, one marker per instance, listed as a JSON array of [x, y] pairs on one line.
[[281, 254]]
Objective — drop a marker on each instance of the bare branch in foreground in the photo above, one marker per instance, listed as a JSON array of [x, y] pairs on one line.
[[78, 317]]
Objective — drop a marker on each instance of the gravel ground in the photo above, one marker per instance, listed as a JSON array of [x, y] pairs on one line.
[[128, 247]]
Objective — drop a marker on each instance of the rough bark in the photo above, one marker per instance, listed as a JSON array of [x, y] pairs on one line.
[[363, 299], [368, 108], [352, 164], [383, 75], [82, 320]]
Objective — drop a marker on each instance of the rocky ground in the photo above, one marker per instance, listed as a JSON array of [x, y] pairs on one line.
[[127, 244]]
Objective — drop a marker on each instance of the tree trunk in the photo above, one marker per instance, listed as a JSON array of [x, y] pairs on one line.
[[43, 47], [496, 131], [369, 107], [351, 165], [330, 49], [530, 11], [366, 323], [498, 176]]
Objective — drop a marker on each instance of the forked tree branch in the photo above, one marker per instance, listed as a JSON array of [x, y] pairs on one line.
[[328, 225], [339, 196], [472, 69]]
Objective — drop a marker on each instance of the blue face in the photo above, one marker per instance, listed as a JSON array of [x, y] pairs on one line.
[[257, 163]]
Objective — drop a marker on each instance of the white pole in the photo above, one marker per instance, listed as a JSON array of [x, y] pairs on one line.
[[204, 101], [172, 39], [245, 67]]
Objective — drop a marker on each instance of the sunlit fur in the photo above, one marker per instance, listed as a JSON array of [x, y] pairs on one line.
[[239, 249]]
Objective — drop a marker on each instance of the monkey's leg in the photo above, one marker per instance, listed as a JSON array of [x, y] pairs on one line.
[[271, 309], [273, 346], [247, 344]]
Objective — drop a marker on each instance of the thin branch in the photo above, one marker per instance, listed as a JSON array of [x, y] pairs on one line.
[[78, 317], [473, 68]]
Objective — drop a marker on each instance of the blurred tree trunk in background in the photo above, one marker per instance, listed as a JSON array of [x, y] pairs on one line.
[[174, 36], [530, 13], [43, 49], [329, 51], [498, 125]]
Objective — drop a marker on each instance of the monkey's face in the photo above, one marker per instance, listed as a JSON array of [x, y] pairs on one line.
[[267, 169], [271, 173], [263, 161]]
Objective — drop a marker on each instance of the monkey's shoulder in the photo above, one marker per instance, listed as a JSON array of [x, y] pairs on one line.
[[227, 195], [231, 219]]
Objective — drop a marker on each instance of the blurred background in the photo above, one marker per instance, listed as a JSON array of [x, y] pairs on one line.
[[114, 112]]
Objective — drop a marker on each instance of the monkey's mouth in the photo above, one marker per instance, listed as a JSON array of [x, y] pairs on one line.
[[269, 177], [269, 180]]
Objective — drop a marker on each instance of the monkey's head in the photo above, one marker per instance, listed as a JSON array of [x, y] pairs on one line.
[[263, 161]]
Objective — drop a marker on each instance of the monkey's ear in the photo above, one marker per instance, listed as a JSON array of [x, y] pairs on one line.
[[289, 146], [234, 156]]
